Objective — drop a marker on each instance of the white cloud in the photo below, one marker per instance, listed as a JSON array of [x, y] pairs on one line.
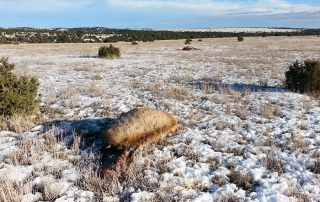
[[216, 8], [42, 5], [176, 4]]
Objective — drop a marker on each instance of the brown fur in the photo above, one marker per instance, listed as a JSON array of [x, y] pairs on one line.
[[189, 48], [139, 126]]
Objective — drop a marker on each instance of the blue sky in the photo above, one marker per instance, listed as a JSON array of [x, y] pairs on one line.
[[160, 13]]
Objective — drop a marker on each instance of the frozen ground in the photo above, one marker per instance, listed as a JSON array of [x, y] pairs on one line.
[[236, 141]]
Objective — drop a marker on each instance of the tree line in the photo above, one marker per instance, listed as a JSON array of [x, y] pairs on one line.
[[108, 35]]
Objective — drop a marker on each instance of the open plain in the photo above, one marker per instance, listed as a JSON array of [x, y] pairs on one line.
[[241, 136]]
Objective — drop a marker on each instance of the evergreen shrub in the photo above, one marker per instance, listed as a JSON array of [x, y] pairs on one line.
[[110, 52], [304, 77], [188, 41], [17, 94], [240, 38]]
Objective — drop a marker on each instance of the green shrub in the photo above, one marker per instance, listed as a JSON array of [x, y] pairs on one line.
[[304, 77], [188, 41], [110, 52], [240, 38], [17, 94]]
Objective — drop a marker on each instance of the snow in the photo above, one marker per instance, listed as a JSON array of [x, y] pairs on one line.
[[211, 142], [139, 196]]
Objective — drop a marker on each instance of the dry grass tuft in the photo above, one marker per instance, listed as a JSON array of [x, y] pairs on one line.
[[293, 191], [221, 124], [277, 111], [219, 180], [240, 112], [236, 151], [315, 167], [11, 191], [269, 143], [87, 68], [90, 181], [29, 151], [303, 125], [96, 77], [178, 92], [244, 181], [266, 111], [50, 191], [229, 197], [298, 143], [306, 103], [316, 154], [94, 90], [213, 163], [273, 162], [17, 123], [68, 92]]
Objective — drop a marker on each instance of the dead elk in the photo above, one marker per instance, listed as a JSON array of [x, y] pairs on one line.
[[139, 126], [189, 48], [132, 130]]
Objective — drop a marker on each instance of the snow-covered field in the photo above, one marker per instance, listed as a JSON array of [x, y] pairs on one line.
[[236, 29], [236, 140]]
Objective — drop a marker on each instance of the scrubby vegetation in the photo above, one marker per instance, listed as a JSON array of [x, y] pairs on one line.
[[17, 94], [304, 77], [240, 38], [109, 52], [100, 34], [188, 41]]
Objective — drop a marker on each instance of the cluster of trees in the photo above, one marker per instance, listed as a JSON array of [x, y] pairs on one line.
[[151, 35], [56, 35], [98, 34]]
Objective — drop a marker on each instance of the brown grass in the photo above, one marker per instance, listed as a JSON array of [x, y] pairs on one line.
[[219, 180], [277, 111], [306, 103], [303, 125], [10, 190], [266, 111], [270, 142], [240, 112], [18, 123], [242, 180], [29, 152], [273, 162]]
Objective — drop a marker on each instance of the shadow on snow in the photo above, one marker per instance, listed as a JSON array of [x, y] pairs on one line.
[[237, 87], [90, 132]]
